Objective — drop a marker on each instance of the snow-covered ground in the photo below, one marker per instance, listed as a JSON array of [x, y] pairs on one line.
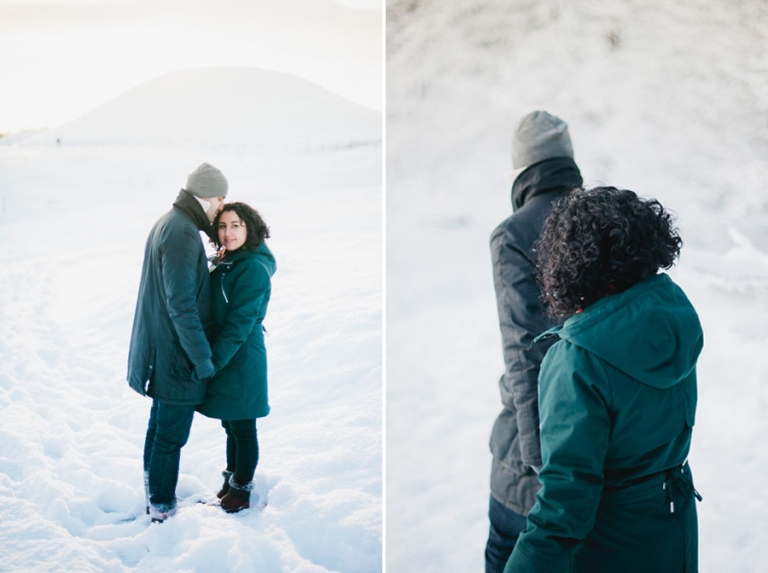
[[667, 99], [73, 222]]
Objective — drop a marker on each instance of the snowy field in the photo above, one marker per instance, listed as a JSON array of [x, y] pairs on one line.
[[667, 99], [73, 222]]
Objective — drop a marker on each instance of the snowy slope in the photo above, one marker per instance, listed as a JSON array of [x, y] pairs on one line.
[[73, 221], [667, 99], [223, 106]]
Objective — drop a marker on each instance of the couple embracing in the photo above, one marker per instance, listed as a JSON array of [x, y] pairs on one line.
[[198, 342]]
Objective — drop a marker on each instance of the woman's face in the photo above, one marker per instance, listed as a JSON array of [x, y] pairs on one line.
[[232, 231]]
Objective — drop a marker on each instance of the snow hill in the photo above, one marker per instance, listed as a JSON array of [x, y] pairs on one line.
[[223, 105], [669, 99]]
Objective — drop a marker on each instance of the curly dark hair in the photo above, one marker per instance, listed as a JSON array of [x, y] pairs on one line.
[[256, 228], [601, 241]]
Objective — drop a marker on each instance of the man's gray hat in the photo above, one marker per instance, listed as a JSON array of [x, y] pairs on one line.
[[540, 136], [206, 181]]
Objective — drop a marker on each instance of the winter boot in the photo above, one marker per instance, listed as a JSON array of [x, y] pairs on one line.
[[159, 513], [238, 497], [226, 474]]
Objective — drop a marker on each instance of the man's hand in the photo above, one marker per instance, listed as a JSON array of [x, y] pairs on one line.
[[205, 371]]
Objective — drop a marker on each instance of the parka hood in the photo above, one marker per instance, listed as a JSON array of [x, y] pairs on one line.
[[266, 258], [650, 332]]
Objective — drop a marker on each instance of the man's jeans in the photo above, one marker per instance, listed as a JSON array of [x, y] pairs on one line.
[[506, 526], [242, 449], [167, 432]]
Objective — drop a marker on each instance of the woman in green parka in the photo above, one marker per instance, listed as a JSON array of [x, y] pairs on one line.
[[237, 394], [617, 394]]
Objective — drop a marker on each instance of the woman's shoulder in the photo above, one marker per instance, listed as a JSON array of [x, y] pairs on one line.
[[566, 354], [261, 259], [249, 264], [568, 363]]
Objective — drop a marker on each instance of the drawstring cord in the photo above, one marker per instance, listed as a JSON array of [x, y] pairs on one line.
[[679, 485]]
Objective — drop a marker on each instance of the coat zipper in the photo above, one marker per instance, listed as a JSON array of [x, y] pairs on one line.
[[222, 289]]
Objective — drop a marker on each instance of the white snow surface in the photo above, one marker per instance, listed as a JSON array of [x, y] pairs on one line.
[[667, 99], [73, 222]]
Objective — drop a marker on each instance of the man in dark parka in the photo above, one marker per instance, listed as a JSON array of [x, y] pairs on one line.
[[542, 157], [170, 357]]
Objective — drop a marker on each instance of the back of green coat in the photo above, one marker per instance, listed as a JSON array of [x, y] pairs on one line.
[[617, 404], [240, 292]]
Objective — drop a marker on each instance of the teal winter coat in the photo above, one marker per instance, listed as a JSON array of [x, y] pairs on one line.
[[240, 291], [617, 404]]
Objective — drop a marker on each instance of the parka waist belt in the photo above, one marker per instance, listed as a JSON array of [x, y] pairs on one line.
[[672, 486], [678, 485]]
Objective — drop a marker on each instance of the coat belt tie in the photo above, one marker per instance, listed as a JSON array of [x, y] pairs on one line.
[[678, 485]]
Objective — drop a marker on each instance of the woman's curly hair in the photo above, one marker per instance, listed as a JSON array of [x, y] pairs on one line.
[[601, 241], [255, 227]]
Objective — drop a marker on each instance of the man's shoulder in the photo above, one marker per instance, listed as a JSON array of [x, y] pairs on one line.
[[175, 221], [511, 230], [502, 227], [525, 224], [174, 231]]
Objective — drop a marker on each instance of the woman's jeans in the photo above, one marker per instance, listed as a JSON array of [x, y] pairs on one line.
[[506, 526], [167, 432], [242, 449]]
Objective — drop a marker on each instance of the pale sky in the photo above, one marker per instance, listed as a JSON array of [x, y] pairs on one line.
[[61, 58]]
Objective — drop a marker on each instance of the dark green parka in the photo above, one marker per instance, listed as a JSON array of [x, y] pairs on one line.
[[617, 404], [240, 291], [169, 356]]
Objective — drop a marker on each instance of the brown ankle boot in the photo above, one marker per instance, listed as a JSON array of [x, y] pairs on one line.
[[238, 497], [226, 474], [232, 504]]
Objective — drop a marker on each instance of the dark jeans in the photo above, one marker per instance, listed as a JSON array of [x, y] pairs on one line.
[[506, 526], [167, 432], [242, 449]]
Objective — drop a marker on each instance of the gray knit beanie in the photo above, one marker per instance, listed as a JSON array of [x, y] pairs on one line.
[[206, 181], [540, 136]]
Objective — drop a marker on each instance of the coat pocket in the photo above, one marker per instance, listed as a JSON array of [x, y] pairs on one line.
[[505, 442], [228, 382], [181, 367]]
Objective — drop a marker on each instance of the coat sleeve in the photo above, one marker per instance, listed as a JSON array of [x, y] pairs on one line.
[[521, 319], [181, 257], [245, 308], [575, 428]]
